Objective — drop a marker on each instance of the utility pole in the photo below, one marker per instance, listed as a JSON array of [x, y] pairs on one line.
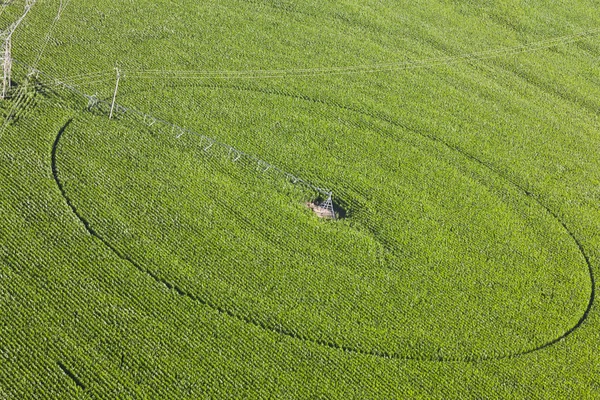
[[6, 38], [6, 67], [112, 106]]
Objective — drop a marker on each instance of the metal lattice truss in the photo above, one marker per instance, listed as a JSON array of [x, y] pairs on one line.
[[325, 209], [6, 39]]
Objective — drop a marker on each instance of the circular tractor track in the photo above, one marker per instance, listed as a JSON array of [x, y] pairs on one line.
[[292, 334]]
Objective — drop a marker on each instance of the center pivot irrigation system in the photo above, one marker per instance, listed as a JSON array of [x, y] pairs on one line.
[[6, 39], [113, 110], [324, 209]]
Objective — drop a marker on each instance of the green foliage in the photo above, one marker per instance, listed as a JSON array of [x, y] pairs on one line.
[[135, 263]]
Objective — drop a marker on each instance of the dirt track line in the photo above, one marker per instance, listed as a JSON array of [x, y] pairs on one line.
[[71, 375], [283, 331]]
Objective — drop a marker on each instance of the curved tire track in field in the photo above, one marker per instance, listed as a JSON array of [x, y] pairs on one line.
[[283, 331], [467, 155]]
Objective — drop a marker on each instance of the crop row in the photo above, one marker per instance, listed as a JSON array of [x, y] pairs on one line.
[[189, 225]]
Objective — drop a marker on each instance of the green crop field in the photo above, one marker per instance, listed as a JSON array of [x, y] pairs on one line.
[[164, 246]]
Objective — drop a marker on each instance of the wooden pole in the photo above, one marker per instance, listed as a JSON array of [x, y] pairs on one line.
[[6, 67], [112, 106]]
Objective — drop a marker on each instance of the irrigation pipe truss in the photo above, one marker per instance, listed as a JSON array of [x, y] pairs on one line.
[[355, 69], [233, 153], [48, 36], [236, 154]]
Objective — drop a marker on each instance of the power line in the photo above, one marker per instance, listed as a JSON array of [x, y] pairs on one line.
[[76, 78], [234, 154], [356, 69], [6, 38], [48, 36], [208, 143]]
